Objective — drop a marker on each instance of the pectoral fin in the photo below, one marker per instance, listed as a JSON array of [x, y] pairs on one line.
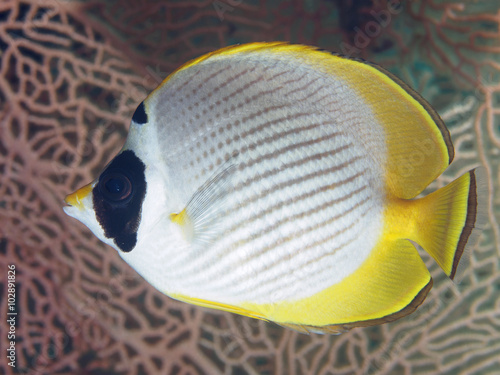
[[200, 218]]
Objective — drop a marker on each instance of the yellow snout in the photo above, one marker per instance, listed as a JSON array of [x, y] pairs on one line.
[[75, 199]]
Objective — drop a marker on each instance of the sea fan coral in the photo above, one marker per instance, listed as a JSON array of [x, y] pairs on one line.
[[71, 74]]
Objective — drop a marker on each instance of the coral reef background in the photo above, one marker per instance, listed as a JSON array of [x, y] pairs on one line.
[[71, 75]]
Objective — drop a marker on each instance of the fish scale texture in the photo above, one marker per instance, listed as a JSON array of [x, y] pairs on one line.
[[71, 76], [307, 192]]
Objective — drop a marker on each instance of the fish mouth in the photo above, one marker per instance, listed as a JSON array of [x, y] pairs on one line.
[[76, 199]]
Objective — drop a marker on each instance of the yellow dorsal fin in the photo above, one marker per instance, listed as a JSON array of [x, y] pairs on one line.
[[226, 51]]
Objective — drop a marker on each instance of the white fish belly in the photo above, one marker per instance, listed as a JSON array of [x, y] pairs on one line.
[[308, 192]]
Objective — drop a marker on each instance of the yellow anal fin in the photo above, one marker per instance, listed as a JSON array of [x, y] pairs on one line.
[[332, 330], [390, 284], [217, 306]]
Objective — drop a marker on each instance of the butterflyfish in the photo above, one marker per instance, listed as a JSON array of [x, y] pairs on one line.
[[279, 182]]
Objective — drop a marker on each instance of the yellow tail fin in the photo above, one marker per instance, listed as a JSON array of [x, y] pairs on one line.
[[450, 220]]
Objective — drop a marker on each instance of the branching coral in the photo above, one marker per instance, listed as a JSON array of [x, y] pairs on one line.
[[71, 74]]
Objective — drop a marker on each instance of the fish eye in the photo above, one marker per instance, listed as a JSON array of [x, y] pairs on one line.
[[115, 187]]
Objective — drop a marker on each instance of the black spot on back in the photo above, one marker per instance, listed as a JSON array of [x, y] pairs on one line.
[[140, 116], [120, 220]]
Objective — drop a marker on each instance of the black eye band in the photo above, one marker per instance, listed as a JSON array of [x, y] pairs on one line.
[[115, 186], [118, 199]]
